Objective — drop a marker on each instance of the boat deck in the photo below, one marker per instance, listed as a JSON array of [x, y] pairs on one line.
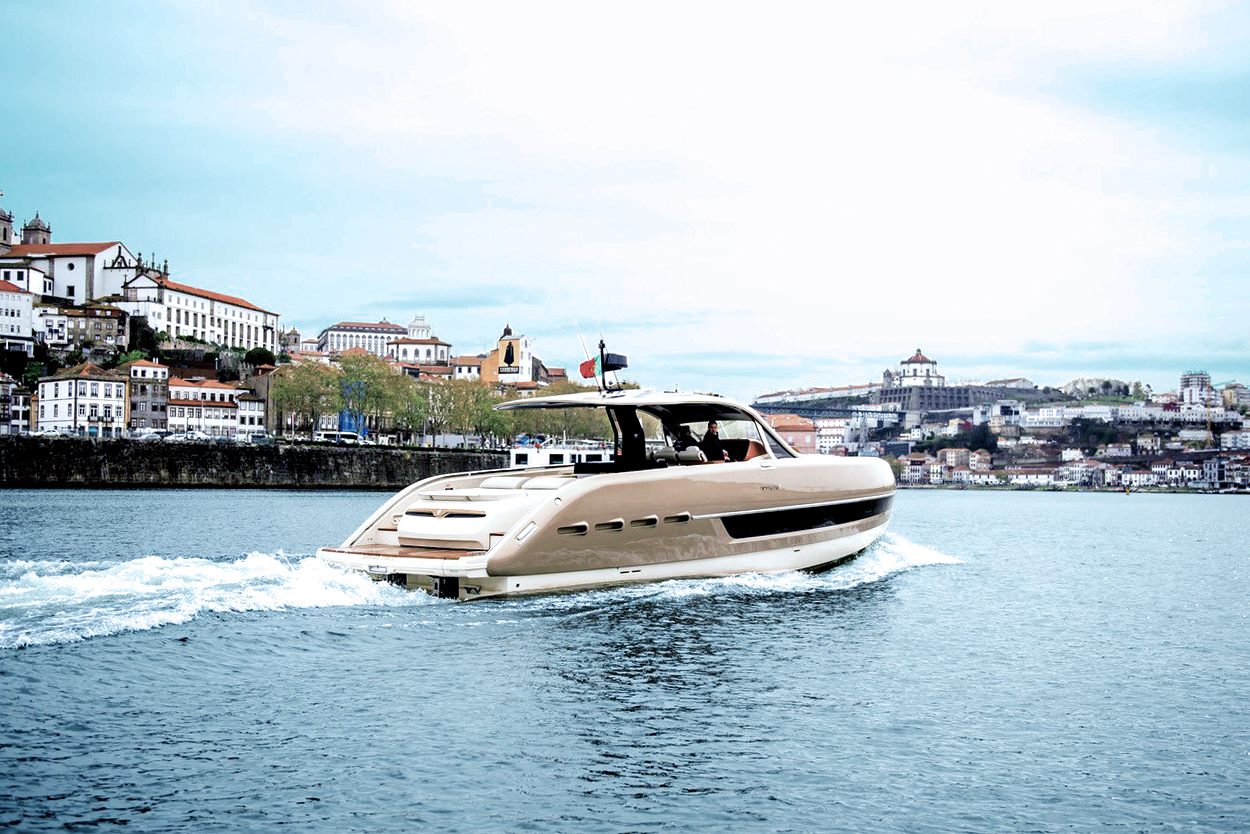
[[393, 550]]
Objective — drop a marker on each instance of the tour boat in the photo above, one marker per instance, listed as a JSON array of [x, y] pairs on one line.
[[656, 509]]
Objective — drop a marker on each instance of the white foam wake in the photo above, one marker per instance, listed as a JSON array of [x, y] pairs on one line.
[[51, 602], [891, 555]]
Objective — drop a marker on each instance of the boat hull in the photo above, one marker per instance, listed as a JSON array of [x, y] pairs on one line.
[[494, 534], [471, 579]]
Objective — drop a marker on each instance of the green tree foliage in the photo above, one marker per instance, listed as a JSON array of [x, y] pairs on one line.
[[307, 391], [122, 358], [259, 356], [1090, 434], [471, 410], [571, 423], [369, 387], [978, 437]]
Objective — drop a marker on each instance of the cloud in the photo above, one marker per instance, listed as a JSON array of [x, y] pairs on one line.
[[770, 198]]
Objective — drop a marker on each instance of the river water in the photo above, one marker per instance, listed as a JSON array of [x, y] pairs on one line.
[[1001, 661]]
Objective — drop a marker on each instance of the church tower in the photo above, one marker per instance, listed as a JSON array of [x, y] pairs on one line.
[[6, 231], [418, 328], [36, 231]]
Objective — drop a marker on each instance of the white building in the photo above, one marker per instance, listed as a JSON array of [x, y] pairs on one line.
[[419, 346], [917, 370], [214, 408], [16, 319], [1230, 440], [373, 337], [466, 367], [77, 272], [182, 310], [10, 415], [1196, 388], [84, 400]]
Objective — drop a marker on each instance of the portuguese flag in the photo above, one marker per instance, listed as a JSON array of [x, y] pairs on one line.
[[609, 362]]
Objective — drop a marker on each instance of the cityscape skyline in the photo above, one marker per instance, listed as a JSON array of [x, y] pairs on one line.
[[742, 203]]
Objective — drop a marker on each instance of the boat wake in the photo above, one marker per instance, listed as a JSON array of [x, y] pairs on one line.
[[53, 602], [62, 602]]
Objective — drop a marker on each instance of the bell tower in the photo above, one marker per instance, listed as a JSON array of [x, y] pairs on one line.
[[6, 231], [36, 231]]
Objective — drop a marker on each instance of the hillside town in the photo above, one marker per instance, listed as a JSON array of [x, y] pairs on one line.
[[1091, 433], [99, 342]]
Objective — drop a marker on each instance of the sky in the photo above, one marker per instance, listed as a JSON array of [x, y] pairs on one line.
[[742, 198]]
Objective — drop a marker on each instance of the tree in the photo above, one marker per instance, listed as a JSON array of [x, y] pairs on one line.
[[580, 423], [307, 391], [368, 388], [30, 376], [412, 405], [123, 358], [471, 409], [259, 356]]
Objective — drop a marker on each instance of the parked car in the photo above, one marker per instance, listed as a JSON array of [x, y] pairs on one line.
[[46, 432], [180, 437]]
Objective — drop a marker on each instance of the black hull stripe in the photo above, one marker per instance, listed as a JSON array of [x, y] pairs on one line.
[[773, 522]]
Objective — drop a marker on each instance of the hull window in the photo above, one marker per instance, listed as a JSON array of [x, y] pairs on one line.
[[773, 522]]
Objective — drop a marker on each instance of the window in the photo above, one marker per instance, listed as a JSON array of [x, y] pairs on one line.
[[69, 290]]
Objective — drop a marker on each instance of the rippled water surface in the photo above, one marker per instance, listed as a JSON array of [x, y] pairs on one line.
[[176, 661]]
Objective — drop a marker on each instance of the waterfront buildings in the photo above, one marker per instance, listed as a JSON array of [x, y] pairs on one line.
[[799, 432], [148, 394], [16, 319], [218, 409], [85, 400]]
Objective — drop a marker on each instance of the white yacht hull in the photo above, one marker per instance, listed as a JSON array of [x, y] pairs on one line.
[[474, 582]]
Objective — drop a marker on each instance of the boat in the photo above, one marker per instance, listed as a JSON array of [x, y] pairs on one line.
[[656, 509]]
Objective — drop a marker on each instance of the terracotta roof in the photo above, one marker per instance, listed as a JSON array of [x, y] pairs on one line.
[[919, 357], [39, 250], [467, 360], [407, 341], [366, 325], [5, 286], [84, 368], [203, 403], [142, 363], [214, 296]]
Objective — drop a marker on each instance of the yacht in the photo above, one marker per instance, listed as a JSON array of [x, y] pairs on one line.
[[665, 503]]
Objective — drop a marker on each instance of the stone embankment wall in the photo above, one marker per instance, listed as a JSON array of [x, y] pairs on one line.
[[72, 462]]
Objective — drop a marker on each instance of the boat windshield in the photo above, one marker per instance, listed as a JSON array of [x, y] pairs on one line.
[[739, 434]]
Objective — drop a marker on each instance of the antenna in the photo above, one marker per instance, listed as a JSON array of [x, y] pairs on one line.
[[580, 338]]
